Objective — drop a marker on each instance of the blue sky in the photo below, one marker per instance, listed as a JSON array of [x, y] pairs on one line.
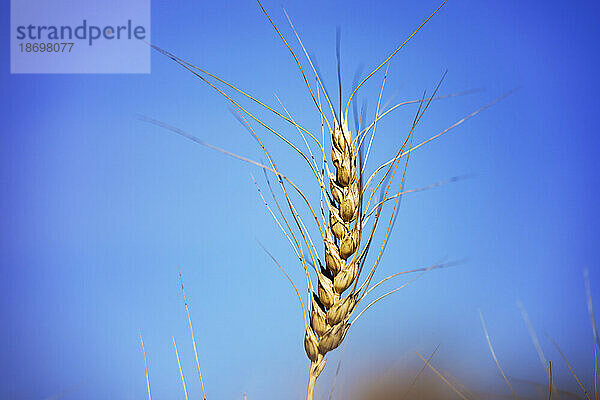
[[99, 210]]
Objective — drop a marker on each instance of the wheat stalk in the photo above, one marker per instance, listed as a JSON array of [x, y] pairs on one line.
[[331, 309], [338, 284]]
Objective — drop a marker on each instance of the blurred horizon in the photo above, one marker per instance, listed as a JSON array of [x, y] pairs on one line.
[[100, 210]]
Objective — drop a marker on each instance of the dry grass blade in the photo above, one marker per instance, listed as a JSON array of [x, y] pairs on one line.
[[145, 368], [416, 378], [192, 334], [544, 386], [532, 334], [442, 377], [550, 384], [590, 306], [487, 337], [465, 390], [595, 373], [569, 366], [536, 342], [180, 371]]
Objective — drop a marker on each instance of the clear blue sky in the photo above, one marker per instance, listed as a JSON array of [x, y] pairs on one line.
[[99, 210]]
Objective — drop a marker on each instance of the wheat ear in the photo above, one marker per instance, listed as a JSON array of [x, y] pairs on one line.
[[336, 293], [330, 310]]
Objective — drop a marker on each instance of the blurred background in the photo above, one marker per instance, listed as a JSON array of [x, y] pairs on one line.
[[100, 210]]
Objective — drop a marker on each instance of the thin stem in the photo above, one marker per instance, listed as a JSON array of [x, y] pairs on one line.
[[180, 371], [192, 333], [570, 368], [550, 386], [487, 337], [420, 372], [442, 377], [534, 338], [145, 367], [312, 379]]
